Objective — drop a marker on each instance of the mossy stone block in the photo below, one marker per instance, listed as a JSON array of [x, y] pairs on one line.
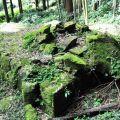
[[49, 92], [30, 92], [45, 29], [71, 58], [69, 25], [30, 113], [68, 42], [78, 50]]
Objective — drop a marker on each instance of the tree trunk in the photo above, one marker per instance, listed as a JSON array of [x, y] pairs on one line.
[[36, 4], [44, 4], [6, 11], [85, 11], [114, 7], [11, 6], [69, 6], [20, 6]]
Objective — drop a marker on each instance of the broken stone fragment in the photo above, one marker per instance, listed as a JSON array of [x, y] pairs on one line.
[[69, 25], [30, 92], [78, 50], [43, 38], [68, 43]]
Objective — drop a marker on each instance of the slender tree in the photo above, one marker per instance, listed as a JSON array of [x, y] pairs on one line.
[[20, 6], [85, 11], [6, 11], [44, 4], [11, 6], [36, 4], [114, 7]]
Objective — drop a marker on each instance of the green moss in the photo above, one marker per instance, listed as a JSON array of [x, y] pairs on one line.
[[29, 38], [42, 47], [72, 58], [45, 29], [100, 53], [82, 28], [50, 88], [6, 102], [49, 48], [30, 113], [78, 50], [69, 25], [4, 66], [94, 37]]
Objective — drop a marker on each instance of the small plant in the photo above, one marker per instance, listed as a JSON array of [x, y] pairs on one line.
[[67, 92], [115, 68]]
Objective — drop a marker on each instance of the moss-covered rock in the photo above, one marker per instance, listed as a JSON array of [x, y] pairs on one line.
[[78, 50], [70, 26], [68, 42], [82, 28], [71, 58], [50, 48], [30, 113], [101, 49], [6, 102], [94, 37], [45, 29], [49, 91], [30, 92]]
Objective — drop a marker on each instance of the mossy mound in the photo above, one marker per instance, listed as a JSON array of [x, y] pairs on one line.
[[49, 91], [30, 113], [95, 37], [101, 50]]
